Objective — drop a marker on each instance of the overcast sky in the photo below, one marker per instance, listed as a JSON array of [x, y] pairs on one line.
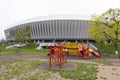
[[12, 11]]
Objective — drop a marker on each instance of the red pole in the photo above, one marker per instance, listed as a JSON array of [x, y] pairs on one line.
[[60, 55], [77, 49], [66, 56], [50, 58]]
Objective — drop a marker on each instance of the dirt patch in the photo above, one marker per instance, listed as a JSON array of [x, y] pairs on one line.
[[66, 66], [115, 62], [108, 73]]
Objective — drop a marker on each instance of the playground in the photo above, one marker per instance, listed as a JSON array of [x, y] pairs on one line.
[[66, 61], [36, 66], [59, 53]]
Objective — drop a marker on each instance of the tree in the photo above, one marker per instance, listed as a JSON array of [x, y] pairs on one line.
[[27, 33], [19, 36], [23, 35], [106, 27]]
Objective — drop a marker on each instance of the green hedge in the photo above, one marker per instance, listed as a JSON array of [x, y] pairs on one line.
[[107, 49]]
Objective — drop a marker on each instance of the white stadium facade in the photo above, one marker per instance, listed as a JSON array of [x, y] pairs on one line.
[[53, 28]]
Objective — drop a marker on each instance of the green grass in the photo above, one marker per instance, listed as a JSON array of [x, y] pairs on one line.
[[3, 46], [24, 50], [85, 71], [10, 69], [30, 49], [33, 51], [41, 75]]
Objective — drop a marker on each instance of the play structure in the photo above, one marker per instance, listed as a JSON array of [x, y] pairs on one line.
[[86, 52], [57, 55], [72, 48], [81, 50], [59, 52]]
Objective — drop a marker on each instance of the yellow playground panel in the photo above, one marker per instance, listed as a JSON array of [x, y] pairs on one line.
[[80, 49], [72, 48]]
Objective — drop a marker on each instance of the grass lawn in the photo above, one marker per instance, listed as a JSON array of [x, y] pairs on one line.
[[85, 71], [106, 50], [41, 75], [10, 69], [24, 50]]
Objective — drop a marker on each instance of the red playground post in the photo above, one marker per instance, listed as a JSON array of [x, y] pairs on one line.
[[50, 58], [58, 57]]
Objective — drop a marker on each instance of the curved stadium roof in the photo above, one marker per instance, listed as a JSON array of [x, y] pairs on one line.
[[45, 18], [54, 27]]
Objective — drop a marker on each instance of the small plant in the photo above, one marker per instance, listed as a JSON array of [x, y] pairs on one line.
[[102, 61], [103, 78], [113, 68]]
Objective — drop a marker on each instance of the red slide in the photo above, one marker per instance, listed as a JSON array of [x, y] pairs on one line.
[[85, 56], [96, 54]]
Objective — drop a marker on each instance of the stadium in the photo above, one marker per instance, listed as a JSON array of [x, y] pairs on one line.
[[53, 28]]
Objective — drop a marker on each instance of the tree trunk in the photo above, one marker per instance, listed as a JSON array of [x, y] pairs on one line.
[[101, 46], [116, 48]]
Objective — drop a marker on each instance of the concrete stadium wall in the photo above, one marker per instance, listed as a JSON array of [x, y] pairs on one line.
[[54, 30]]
